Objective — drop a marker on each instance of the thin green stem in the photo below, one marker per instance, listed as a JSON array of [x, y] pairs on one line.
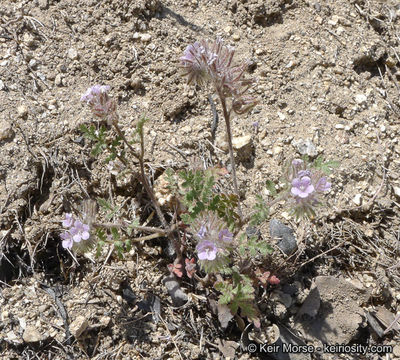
[[146, 183], [228, 130], [125, 140], [143, 176]]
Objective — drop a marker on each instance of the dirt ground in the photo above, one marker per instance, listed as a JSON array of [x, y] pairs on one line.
[[328, 82]]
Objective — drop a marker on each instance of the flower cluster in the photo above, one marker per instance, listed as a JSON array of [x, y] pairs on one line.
[[306, 185], [77, 231], [212, 61], [100, 103], [214, 241]]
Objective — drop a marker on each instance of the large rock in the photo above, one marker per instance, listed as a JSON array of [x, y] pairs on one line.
[[331, 313]]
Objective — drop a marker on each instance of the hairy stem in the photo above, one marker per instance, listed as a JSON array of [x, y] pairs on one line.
[[125, 140], [228, 130], [143, 176], [146, 183]]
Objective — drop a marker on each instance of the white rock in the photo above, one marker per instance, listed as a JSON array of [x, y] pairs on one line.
[[236, 37], [277, 149], [72, 54], [281, 116], [13, 338], [334, 20], [145, 37], [22, 111], [42, 4], [360, 99], [2, 86], [6, 130], [78, 326], [241, 142], [396, 190], [357, 199], [32, 335], [58, 80], [339, 126]]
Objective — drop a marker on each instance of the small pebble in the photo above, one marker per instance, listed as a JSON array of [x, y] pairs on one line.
[[357, 199], [72, 54], [6, 130], [78, 326], [22, 111], [360, 99], [236, 37], [281, 116], [58, 80], [145, 37], [396, 191]]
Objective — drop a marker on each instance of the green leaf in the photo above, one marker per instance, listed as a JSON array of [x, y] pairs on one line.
[[128, 245], [104, 204], [140, 125], [325, 166], [115, 235], [271, 188], [261, 212]]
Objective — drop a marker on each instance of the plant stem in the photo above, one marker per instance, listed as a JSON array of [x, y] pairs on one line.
[[144, 179], [125, 140], [228, 130], [146, 183]]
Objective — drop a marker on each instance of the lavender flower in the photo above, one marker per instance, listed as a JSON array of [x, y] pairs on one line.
[[100, 103], [205, 60], [306, 186], [202, 232], [302, 187], [67, 240], [225, 236], [207, 250], [81, 231], [323, 185], [195, 60], [77, 231], [215, 241], [69, 220]]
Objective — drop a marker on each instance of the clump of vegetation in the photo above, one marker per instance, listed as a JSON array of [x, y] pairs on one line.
[[218, 248]]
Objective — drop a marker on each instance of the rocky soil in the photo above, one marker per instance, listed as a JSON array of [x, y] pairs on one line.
[[328, 82]]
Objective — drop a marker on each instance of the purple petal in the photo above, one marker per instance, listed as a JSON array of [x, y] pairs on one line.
[[78, 225], [296, 182], [202, 232], [85, 235], [225, 235], [296, 191], [67, 244], [309, 189], [68, 220], [305, 181], [211, 255], [203, 255], [303, 173], [77, 237], [323, 184], [65, 235]]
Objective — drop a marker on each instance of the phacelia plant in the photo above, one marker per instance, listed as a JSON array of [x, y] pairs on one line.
[[212, 62], [208, 231], [306, 183], [75, 233]]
